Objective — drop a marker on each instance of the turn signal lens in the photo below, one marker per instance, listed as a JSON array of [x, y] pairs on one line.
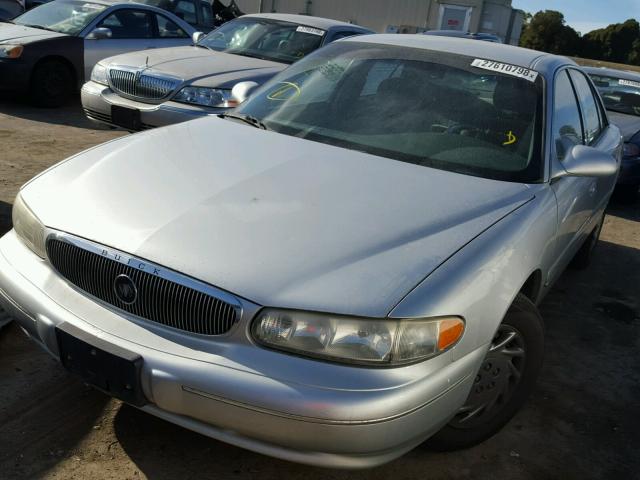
[[11, 51], [449, 332]]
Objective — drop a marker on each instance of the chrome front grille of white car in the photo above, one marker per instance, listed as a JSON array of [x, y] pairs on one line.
[[177, 302], [133, 83]]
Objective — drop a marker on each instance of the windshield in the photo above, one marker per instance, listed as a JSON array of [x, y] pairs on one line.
[[619, 94], [413, 105], [268, 39], [68, 17]]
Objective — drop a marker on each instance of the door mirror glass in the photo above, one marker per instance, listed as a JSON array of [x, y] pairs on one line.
[[241, 91], [196, 37], [583, 161], [100, 33]]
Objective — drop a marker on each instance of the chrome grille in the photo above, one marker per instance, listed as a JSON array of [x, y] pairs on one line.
[[158, 300], [138, 85]]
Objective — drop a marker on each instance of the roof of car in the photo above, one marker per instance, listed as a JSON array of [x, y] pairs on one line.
[[540, 61], [316, 22], [110, 3], [612, 72]]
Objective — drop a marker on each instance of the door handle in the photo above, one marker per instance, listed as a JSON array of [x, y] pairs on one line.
[[593, 188]]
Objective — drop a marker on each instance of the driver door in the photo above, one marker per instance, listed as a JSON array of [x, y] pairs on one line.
[[131, 30], [577, 120]]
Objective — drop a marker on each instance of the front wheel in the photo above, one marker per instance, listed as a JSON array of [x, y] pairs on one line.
[[51, 84], [503, 383]]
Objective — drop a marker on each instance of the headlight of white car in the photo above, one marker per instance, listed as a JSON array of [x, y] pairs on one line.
[[207, 97], [99, 74], [10, 50], [383, 342], [28, 227]]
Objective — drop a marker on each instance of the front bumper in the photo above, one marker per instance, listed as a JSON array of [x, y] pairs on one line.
[[14, 75], [233, 396], [98, 99]]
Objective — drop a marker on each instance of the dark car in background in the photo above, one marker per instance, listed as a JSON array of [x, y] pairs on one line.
[[50, 50], [620, 91], [203, 15], [10, 9]]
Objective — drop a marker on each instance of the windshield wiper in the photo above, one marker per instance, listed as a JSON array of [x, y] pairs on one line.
[[37, 26], [248, 119], [201, 46]]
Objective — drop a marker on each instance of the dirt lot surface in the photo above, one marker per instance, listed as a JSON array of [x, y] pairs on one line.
[[583, 420]]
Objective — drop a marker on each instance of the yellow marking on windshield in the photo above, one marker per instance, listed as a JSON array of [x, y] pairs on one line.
[[511, 138], [284, 89]]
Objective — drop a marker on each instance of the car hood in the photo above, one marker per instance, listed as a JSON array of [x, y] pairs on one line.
[[199, 65], [278, 220], [629, 125], [24, 35]]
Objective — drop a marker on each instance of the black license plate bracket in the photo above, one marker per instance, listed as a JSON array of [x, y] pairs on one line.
[[125, 117], [110, 368]]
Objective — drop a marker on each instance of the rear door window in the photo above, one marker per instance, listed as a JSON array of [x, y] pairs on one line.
[[129, 24], [186, 10], [207, 15], [169, 29], [588, 105]]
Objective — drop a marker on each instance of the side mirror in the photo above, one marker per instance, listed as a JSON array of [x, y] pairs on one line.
[[241, 91], [197, 36], [100, 33], [583, 161]]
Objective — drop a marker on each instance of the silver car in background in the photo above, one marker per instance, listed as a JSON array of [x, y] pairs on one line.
[[343, 267], [141, 90]]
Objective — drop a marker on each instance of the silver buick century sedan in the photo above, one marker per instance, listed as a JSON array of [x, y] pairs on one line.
[[344, 267]]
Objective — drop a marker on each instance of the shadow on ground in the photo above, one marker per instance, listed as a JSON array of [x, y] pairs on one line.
[[70, 114], [623, 208], [581, 422], [44, 412]]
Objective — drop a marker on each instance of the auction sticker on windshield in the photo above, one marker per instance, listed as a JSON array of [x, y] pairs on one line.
[[513, 70], [311, 30], [628, 83]]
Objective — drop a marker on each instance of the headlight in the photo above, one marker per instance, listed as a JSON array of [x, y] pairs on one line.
[[356, 340], [99, 74], [207, 97], [28, 227], [8, 50], [630, 150]]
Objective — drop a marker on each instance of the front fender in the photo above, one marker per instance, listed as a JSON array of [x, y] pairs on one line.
[[481, 280]]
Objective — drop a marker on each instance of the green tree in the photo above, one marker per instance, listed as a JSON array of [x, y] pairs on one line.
[[547, 31], [615, 43]]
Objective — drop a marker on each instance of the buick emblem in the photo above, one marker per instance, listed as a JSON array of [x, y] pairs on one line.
[[125, 289]]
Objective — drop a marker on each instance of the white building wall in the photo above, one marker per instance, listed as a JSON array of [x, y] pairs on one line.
[[405, 16], [374, 14]]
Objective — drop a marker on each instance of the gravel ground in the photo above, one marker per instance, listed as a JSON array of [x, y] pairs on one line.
[[583, 420]]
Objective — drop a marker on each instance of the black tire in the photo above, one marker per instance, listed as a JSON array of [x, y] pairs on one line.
[[52, 83], [583, 257], [496, 397]]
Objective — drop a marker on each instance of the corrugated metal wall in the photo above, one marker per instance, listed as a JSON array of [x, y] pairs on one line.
[[374, 14], [406, 16]]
